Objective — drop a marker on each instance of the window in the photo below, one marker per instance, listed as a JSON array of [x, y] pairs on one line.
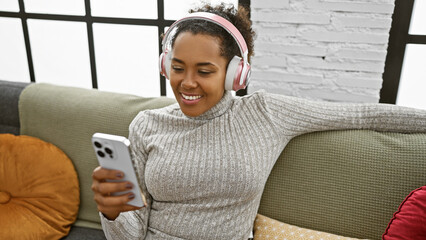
[[112, 45], [404, 79]]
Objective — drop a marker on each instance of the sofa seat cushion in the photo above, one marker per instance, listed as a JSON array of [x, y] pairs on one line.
[[268, 228], [409, 221], [39, 191]]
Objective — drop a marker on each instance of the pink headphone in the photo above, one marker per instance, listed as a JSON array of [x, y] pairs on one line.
[[238, 71]]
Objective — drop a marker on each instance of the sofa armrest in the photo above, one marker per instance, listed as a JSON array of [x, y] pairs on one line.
[[9, 97]]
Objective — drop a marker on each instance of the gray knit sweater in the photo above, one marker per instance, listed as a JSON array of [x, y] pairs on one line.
[[204, 176]]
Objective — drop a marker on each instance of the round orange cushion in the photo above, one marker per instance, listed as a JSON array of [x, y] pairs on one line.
[[39, 191]]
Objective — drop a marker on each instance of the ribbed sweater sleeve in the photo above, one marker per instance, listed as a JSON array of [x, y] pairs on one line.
[[296, 116], [132, 224]]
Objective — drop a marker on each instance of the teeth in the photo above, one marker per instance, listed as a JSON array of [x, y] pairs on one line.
[[190, 97]]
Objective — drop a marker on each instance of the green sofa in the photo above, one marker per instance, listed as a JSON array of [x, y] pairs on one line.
[[343, 182]]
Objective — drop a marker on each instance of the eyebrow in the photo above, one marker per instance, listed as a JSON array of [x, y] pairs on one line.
[[198, 64]]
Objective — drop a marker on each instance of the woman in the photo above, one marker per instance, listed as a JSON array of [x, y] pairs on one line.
[[204, 161]]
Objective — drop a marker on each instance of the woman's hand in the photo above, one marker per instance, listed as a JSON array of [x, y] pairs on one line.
[[111, 206]]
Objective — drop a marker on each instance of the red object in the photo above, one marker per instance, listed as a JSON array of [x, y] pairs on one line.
[[409, 222]]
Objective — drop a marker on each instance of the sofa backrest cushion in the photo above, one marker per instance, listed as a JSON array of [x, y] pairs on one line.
[[68, 117], [345, 182], [9, 115]]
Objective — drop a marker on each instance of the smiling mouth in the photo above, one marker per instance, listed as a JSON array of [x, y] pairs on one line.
[[190, 98]]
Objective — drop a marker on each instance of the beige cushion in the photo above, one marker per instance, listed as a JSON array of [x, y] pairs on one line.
[[68, 117], [266, 228]]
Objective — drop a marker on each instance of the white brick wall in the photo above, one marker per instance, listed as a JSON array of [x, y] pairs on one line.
[[332, 50]]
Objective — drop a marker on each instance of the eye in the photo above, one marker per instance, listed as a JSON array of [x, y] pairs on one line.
[[177, 69], [204, 72]]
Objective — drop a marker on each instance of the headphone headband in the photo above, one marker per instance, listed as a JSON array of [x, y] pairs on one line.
[[216, 19]]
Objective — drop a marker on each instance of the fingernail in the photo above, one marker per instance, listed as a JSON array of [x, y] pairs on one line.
[[119, 175], [129, 186], [131, 196]]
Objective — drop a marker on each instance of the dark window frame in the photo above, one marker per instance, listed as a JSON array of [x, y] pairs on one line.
[[160, 22], [398, 40]]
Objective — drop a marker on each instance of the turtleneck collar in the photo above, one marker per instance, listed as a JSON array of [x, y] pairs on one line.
[[217, 110]]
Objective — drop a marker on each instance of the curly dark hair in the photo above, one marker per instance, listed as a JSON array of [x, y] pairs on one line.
[[229, 48]]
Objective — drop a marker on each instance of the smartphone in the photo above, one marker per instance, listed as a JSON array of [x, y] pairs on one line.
[[112, 152]]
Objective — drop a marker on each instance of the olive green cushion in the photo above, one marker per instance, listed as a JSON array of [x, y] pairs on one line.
[[345, 182], [67, 117]]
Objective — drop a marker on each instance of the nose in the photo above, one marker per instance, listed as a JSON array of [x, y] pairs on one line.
[[189, 81]]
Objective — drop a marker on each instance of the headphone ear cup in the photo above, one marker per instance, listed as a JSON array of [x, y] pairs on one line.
[[161, 64], [235, 71], [232, 72], [165, 64]]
